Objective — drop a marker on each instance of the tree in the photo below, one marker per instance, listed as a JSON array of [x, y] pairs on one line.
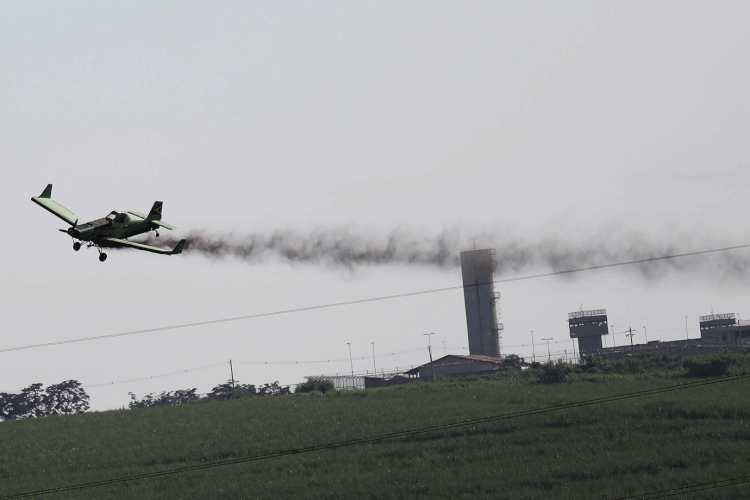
[[221, 392], [9, 404], [273, 389], [179, 397], [227, 391], [65, 398], [513, 361], [32, 402]]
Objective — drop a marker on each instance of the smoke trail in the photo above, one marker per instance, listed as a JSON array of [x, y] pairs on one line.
[[337, 248], [340, 248]]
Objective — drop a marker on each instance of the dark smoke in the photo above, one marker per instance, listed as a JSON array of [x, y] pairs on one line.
[[338, 248], [344, 249]]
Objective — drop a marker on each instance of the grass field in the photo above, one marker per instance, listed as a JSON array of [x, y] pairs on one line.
[[609, 450]]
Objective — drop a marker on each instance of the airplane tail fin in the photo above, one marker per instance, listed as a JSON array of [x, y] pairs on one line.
[[179, 247], [155, 213], [47, 193]]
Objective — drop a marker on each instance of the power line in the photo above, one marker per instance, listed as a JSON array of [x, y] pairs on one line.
[[180, 372], [364, 301], [690, 489], [383, 437], [156, 376], [320, 361]]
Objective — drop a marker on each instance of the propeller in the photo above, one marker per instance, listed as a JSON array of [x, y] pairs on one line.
[[70, 229]]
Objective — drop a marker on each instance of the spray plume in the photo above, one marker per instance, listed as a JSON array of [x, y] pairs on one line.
[[340, 248]]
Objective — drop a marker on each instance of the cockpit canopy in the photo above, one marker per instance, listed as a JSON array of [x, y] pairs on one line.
[[115, 216]]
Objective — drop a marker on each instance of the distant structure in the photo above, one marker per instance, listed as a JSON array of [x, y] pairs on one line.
[[454, 365], [588, 327], [724, 329], [484, 329], [718, 331]]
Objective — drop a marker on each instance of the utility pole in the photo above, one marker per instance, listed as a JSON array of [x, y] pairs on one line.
[[549, 355], [445, 351], [351, 363], [686, 330], [646, 334], [614, 344], [374, 370], [630, 334], [533, 352], [231, 370], [429, 349]]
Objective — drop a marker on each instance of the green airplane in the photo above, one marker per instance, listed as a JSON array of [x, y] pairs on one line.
[[110, 231]]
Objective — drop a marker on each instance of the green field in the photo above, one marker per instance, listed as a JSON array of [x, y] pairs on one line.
[[608, 450]]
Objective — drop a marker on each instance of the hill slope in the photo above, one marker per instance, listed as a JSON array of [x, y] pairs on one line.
[[610, 450]]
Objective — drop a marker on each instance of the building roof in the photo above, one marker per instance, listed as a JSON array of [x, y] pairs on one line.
[[471, 357], [474, 357]]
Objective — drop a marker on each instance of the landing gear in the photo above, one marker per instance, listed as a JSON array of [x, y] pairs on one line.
[[157, 234], [76, 246], [102, 257]]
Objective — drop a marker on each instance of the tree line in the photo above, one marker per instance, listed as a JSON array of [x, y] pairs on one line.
[[65, 398], [221, 392]]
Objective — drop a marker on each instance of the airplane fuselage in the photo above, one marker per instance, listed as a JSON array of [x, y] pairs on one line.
[[115, 225]]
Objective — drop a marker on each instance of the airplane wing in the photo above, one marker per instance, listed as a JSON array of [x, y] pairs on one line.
[[117, 242], [45, 201]]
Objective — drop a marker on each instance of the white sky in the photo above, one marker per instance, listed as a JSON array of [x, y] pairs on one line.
[[512, 121]]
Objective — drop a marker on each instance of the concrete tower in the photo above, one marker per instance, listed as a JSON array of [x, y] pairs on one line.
[[588, 327], [477, 268]]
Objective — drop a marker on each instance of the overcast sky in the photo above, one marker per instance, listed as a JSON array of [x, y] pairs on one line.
[[576, 132]]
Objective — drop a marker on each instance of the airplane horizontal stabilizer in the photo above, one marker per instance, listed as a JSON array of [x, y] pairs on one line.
[[163, 224], [138, 214], [45, 201]]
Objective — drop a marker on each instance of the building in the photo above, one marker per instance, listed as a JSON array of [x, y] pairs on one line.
[[724, 329], [484, 329], [454, 365], [588, 327], [718, 331]]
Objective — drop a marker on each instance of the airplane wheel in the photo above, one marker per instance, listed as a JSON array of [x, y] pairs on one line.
[[157, 235], [102, 257], [76, 246]]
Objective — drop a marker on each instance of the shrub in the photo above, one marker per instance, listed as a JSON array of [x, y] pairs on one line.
[[713, 368], [592, 363], [554, 374], [315, 386]]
